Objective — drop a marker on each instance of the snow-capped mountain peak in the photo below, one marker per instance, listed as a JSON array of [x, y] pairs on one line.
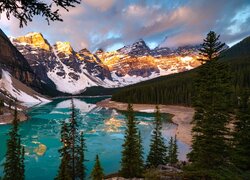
[[138, 48], [73, 72], [34, 39], [63, 47]]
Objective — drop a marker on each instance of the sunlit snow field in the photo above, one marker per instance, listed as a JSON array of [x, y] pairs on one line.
[[103, 129]]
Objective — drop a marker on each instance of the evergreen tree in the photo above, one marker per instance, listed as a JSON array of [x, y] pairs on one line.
[[212, 102], [97, 172], [72, 138], [64, 169], [170, 149], [25, 10], [211, 48], [140, 162], [80, 167], [241, 134], [22, 167], [72, 152], [158, 151], [131, 165], [173, 151], [14, 162]]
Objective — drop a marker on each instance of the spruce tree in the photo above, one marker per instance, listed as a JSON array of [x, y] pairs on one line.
[[131, 165], [173, 151], [22, 167], [72, 138], [72, 152], [212, 103], [140, 162], [158, 150], [64, 169], [97, 172], [170, 149], [14, 162], [80, 167], [241, 135]]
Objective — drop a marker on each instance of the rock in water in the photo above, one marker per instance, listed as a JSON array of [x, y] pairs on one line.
[[40, 150]]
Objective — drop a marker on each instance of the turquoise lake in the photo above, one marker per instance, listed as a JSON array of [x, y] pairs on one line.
[[103, 130]]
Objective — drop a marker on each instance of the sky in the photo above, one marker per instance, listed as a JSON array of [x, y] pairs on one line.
[[111, 24]]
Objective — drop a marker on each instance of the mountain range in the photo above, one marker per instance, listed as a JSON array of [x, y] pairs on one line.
[[31, 69], [179, 88], [60, 67]]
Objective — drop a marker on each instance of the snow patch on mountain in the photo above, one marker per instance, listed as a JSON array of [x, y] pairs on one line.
[[65, 83], [6, 84]]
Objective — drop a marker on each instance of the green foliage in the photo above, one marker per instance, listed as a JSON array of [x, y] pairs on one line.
[[158, 150], [132, 155], [64, 170], [211, 47], [172, 89], [24, 10], [210, 149], [72, 151], [140, 160], [179, 88], [173, 151], [221, 173], [152, 174], [80, 167], [14, 162], [241, 135], [97, 172]]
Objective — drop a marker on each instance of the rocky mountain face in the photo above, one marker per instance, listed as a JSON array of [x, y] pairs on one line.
[[12, 60], [59, 64], [72, 72], [139, 62], [17, 79]]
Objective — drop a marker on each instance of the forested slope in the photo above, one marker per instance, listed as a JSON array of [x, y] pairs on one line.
[[179, 88]]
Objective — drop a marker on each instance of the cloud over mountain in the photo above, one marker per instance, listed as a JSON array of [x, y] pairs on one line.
[[111, 23]]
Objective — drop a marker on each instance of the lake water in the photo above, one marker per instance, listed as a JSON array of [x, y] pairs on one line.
[[103, 130]]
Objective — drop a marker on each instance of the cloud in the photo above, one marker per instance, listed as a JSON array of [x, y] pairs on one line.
[[102, 5], [108, 23]]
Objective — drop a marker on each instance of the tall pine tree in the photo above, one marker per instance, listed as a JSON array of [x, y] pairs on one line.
[[158, 150], [131, 164], [241, 135], [80, 167], [172, 151], [97, 172], [14, 162], [72, 152], [212, 101], [64, 169], [140, 162]]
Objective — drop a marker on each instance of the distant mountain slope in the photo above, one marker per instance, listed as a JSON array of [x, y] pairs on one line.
[[17, 79], [179, 88], [13, 88]]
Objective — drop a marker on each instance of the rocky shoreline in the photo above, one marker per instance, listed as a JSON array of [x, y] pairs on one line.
[[182, 117], [8, 116]]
